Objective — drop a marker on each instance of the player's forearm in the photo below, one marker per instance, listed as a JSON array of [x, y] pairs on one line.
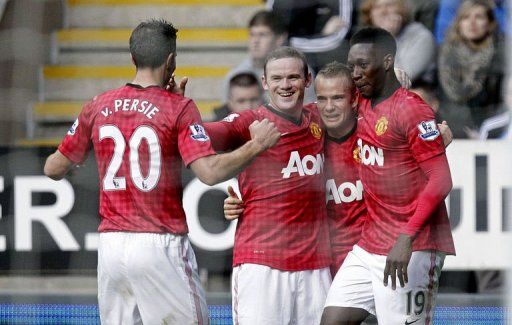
[[437, 188], [57, 165], [219, 168]]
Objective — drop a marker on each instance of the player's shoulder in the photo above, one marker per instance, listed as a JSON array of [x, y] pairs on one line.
[[407, 96], [410, 102], [311, 107], [260, 113], [244, 116]]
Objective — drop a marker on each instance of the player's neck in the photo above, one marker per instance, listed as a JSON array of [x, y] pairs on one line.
[[391, 84], [293, 113], [148, 77], [342, 131]]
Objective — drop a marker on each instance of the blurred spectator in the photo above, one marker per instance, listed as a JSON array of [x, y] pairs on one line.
[[319, 28], [2, 8], [427, 92], [244, 93], [416, 47], [471, 71], [266, 33], [424, 12], [448, 9]]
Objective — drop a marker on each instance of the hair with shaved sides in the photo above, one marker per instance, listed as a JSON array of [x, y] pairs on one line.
[[151, 43]]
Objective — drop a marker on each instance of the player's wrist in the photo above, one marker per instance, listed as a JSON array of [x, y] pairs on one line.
[[405, 238], [256, 146]]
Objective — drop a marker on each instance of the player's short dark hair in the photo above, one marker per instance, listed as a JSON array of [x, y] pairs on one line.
[[286, 52], [384, 42], [268, 19], [151, 43]]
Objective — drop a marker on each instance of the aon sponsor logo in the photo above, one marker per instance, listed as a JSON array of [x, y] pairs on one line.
[[347, 192], [370, 155], [308, 165]]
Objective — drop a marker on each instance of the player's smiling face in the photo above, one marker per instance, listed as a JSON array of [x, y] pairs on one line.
[[285, 82], [336, 102], [367, 70]]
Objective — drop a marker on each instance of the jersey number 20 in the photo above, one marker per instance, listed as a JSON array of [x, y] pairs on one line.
[[113, 183]]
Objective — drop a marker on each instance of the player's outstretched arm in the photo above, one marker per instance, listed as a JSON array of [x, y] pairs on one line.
[[435, 191], [233, 205], [57, 166], [218, 168]]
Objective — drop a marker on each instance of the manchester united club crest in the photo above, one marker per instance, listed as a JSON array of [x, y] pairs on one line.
[[356, 153], [316, 131], [381, 126]]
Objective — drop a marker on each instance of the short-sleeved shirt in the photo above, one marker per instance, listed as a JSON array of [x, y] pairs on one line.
[[394, 137], [346, 209], [141, 138], [284, 222]]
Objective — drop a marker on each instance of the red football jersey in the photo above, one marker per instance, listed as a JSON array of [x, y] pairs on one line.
[[394, 137], [345, 206], [284, 223], [141, 137]]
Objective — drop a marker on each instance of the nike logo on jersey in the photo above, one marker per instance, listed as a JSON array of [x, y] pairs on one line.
[[411, 322]]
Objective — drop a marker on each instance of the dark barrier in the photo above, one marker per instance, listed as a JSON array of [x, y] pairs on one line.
[[49, 227]]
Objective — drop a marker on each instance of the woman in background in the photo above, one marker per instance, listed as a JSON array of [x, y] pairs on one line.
[[416, 46], [471, 70]]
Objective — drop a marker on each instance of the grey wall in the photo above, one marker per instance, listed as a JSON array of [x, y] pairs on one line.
[[25, 33]]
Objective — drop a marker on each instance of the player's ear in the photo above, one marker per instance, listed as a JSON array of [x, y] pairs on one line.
[[355, 99], [133, 60], [264, 82], [389, 61], [170, 63], [309, 79]]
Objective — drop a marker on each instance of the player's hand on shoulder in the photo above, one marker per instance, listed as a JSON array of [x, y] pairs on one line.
[[397, 261], [446, 133], [264, 133], [403, 78], [177, 89], [233, 205]]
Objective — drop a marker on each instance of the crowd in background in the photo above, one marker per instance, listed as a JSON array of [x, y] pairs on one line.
[[452, 50]]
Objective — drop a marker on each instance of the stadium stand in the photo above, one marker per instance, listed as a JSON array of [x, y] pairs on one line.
[[91, 54]]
